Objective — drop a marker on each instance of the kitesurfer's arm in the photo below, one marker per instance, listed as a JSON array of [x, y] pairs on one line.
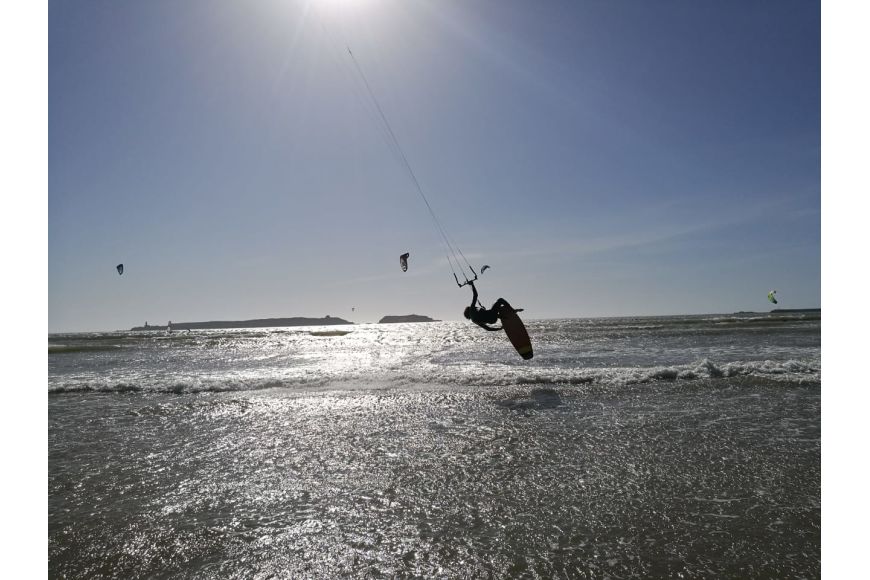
[[474, 296]]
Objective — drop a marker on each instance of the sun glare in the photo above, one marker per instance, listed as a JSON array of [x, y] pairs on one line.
[[331, 9], [338, 5]]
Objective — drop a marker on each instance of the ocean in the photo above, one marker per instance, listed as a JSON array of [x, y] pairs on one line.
[[643, 447]]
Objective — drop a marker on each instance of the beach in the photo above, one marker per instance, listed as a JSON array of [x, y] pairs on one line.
[[685, 446]]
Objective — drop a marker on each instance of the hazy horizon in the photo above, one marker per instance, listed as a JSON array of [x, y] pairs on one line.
[[604, 160], [181, 322]]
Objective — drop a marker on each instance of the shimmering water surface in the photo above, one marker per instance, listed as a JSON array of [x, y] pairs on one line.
[[646, 447]]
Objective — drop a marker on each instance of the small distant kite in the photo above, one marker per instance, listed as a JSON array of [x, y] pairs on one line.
[[120, 268], [772, 296], [482, 270], [403, 261]]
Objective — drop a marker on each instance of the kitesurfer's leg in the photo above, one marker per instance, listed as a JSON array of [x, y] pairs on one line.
[[500, 304]]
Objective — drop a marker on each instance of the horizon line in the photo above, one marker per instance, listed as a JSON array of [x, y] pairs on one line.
[[772, 311]]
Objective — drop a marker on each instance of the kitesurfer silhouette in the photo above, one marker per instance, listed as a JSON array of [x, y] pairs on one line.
[[483, 317]]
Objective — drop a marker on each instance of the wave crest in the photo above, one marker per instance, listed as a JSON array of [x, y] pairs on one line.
[[798, 371]]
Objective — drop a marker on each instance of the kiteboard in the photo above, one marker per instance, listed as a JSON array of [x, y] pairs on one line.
[[516, 332]]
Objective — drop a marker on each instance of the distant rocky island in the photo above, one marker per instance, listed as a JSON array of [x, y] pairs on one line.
[[406, 318], [780, 311], [256, 323]]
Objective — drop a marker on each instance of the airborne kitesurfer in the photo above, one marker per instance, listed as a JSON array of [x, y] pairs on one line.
[[483, 317]]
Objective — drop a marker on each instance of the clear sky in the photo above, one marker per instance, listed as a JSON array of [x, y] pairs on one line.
[[604, 158]]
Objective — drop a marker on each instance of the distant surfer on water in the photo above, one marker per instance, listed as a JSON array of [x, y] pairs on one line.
[[483, 317]]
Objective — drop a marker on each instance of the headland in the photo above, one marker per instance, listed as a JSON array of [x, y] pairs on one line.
[[255, 323], [406, 318]]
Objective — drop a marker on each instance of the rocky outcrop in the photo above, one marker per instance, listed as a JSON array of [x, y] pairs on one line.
[[406, 318], [256, 323]]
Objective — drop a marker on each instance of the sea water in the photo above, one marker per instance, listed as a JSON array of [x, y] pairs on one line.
[[684, 446]]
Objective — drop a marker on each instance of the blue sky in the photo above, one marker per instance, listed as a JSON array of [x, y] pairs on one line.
[[604, 158]]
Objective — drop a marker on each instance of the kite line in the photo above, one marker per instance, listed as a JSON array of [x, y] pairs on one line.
[[454, 254]]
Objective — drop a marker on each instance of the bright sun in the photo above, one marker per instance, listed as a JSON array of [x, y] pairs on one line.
[[340, 7], [341, 4]]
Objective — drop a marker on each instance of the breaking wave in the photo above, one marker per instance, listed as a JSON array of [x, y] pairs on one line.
[[421, 376]]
